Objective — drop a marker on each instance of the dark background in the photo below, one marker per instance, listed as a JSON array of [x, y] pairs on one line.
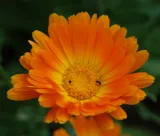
[[19, 18]]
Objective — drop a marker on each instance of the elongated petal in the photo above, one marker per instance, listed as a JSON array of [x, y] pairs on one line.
[[85, 126], [54, 18], [104, 21], [141, 58], [104, 122], [114, 29], [119, 114], [62, 115], [60, 132], [25, 61], [19, 78], [119, 37], [141, 94], [47, 101], [131, 45], [38, 37], [141, 79], [51, 115], [116, 131], [21, 96], [74, 109], [115, 89], [120, 70]]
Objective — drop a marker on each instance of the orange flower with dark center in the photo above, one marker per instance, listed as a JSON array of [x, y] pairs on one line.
[[88, 127], [84, 68]]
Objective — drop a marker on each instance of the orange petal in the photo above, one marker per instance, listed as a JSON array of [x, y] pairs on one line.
[[62, 101], [62, 38], [47, 101], [104, 21], [141, 79], [62, 115], [134, 96], [19, 78], [113, 102], [113, 60], [93, 108], [55, 84], [74, 109], [57, 114], [47, 91], [120, 70], [141, 94], [57, 45], [23, 85], [114, 29], [131, 100], [116, 131], [79, 42], [103, 45], [33, 44], [89, 47], [119, 114], [119, 37], [94, 19], [44, 81], [51, 70], [56, 64], [81, 19], [25, 60], [51, 115], [141, 58], [115, 90], [85, 126], [60, 132], [132, 45], [37, 83], [20, 96], [38, 36], [54, 18], [22, 89], [39, 64], [104, 121], [49, 50]]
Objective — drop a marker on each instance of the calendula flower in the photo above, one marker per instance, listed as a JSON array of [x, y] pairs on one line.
[[88, 127], [84, 68]]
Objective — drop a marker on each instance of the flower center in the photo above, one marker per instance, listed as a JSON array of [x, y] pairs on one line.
[[81, 82]]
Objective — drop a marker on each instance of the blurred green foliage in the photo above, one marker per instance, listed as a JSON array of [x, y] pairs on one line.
[[20, 17]]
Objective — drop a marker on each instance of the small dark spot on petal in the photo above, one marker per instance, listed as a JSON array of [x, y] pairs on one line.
[[98, 82]]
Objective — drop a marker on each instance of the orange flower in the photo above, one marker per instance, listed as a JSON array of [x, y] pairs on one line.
[[85, 67], [88, 127], [60, 132]]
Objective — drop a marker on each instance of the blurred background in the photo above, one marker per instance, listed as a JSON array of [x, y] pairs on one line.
[[18, 18]]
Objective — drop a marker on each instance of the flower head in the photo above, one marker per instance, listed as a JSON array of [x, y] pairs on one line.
[[85, 67], [88, 127]]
